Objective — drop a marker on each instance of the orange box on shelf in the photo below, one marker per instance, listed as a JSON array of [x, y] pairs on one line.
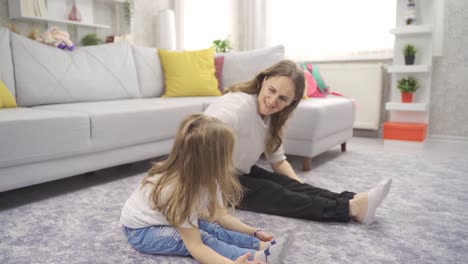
[[404, 131]]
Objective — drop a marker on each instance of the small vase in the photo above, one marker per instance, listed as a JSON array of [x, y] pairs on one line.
[[407, 97], [74, 14], [409, 60], [410, 17]]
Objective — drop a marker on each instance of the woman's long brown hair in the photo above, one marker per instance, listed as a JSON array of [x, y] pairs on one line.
[[200, 162], [283, 68]]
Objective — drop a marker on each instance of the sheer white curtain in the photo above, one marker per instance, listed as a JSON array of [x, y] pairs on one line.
[[332, 30], [251, 24], [202, 21]]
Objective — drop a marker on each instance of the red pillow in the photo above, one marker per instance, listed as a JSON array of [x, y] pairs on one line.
[[219, 61]]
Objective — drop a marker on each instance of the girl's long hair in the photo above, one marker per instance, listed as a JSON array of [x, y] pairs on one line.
[[200, 162], [285, 68]]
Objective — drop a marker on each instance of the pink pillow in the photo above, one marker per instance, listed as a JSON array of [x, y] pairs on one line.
[[311, 84], [312, 89], [219, 61]]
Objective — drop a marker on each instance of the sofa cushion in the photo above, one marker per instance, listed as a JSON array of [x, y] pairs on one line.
[[29, 135], [128, 122], [6, 64], [48, 75], [316, 118], [149, 71], [244, 65], [205, 101], [189, 73]]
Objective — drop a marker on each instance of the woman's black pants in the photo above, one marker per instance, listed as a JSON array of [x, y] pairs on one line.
[[272, 193]]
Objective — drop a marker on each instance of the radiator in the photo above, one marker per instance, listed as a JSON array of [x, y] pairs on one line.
[[363, 83]]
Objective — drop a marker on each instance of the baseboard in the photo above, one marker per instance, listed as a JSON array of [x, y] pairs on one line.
[[433, 144], [448, 139], [366, 133], [448, 143]]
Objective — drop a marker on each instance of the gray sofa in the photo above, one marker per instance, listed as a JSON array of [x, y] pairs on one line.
[[100, 106]]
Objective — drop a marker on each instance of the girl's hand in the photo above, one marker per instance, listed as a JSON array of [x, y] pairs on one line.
[[244, 259], [263, 236]]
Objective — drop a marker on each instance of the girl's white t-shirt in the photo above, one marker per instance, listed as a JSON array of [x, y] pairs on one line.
[[138, 210], [240, 111]]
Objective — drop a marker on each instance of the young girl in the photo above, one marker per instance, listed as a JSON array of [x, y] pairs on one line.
[[180, 206]]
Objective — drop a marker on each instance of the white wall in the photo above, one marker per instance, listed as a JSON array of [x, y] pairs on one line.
[[144, 21], [449, 91]]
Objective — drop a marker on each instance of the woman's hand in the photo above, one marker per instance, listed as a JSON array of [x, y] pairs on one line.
[[244, 259], [263, 236]]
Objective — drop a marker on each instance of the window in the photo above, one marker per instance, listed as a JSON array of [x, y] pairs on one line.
[[313, 30]]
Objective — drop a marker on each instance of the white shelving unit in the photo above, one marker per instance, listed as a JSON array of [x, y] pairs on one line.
[[392, 106], [411, 30], [60, 21], [57, 13], [426, 36], [409, 68]]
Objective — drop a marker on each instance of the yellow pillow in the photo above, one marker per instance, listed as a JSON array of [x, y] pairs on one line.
[[6, 99], [189, 73]]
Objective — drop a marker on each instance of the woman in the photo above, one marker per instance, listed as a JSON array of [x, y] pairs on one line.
[[257, 111]]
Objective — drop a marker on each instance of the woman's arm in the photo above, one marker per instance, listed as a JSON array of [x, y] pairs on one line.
[[283, 167], [198, 250]]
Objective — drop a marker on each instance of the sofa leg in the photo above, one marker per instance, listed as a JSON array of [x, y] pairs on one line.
[[306, 163], [343, 147]]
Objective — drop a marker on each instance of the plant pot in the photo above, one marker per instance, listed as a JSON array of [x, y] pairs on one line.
[[409, 60], [407, 97]]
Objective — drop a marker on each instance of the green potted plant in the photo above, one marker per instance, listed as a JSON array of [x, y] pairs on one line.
[[407, 87], [409, 51], [222, 46], [90, 39]]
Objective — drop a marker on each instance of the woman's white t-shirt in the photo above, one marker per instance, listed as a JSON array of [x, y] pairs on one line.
[[138, 210], [240, 111]]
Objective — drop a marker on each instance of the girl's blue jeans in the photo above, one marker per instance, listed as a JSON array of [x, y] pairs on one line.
[[165, 240]]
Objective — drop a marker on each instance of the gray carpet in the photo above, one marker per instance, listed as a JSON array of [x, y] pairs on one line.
[[423, 220]]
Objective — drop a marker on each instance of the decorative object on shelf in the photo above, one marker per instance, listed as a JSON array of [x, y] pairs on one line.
[[166, 35], [58, 38], [118, 38], [12, 28], [407, 87], [90, 39], [57, 12], [74, 14], [409, 51], [407, 131], [222, 45], [128, 11], [34, 34], [410, 17]]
